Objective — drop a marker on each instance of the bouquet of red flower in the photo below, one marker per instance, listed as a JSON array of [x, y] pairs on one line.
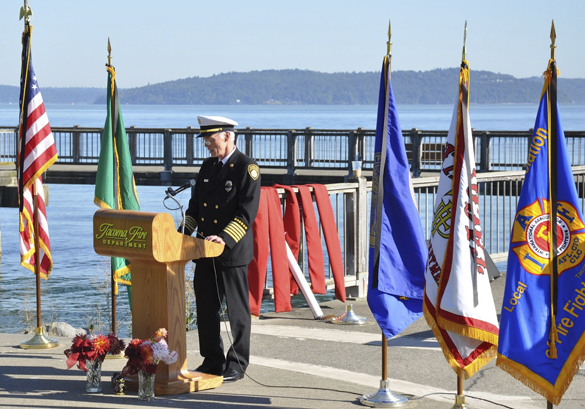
[[145, 355], [90, 348]]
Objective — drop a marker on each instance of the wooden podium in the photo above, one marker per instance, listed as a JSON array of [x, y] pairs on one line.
[[158, 254]]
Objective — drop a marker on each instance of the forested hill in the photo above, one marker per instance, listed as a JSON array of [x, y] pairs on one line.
[[9, 95], [437, 86], [309, 87]]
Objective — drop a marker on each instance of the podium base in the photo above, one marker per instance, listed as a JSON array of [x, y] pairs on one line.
[[186, 383]]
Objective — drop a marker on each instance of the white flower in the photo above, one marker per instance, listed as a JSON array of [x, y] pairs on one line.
[[160, 351], [171, 358]]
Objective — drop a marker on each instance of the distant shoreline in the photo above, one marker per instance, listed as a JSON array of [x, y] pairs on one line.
[[303, 87]]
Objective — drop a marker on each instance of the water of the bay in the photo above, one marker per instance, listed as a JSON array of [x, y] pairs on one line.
[[489, 117], [76, 291]]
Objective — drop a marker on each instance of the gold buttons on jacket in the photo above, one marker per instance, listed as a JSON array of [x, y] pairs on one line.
[[202, 219], [216, 206], [204, 204], [215, 221]]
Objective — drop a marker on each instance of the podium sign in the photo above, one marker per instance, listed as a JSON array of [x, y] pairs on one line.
[[157, 255]]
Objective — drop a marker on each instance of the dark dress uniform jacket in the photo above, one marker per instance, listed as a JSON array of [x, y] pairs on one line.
[[225, 203]]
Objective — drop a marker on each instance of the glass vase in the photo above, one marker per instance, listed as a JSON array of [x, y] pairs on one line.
[[94, 376], [145, 386]]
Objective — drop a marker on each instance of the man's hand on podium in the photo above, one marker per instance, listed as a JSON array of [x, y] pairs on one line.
[[215, 239]]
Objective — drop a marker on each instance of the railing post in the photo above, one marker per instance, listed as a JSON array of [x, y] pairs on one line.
[[529, 139], [352, 150], [132, 145], [350, 225], [15, 144], [189, 146], [485, 159], [357, 244], [360, 140], [76, 142], [416, 141], [166, 175], [308, 147], [248, 143], [291, 157]]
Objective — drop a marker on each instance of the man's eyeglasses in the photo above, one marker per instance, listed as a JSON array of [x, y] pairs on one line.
[[207, 141]]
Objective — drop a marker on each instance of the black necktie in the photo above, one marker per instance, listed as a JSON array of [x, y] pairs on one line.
[[219, 165]]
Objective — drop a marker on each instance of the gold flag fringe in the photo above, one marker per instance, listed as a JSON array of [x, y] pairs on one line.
[[118, 277], [463, 372], [470, 332], [553, 393]]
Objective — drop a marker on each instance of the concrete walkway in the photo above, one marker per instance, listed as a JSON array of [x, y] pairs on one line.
[[297, 362]]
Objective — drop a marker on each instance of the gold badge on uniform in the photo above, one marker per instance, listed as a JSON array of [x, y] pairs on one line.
[[254, 171], [228, 186]]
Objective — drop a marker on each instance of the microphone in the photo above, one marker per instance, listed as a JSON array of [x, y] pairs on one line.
[[172, 192]]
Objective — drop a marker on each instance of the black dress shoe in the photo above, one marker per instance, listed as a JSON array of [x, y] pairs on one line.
[[208, 370], [231, 375]]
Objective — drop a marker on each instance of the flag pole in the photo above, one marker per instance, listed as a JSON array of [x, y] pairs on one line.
[[460, 397], [38, 341], [552, 92], [113, 278], [384, 397]]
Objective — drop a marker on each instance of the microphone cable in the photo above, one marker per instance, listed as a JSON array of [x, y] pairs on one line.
[[228, 332], [231, 346]]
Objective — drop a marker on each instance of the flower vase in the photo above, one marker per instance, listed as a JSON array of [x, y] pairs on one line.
[[145, 386], [94, 376]]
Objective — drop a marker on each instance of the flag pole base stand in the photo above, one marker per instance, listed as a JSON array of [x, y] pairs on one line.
[[349, 318], [384, 398], [460, 402], [119, 355], [39, 341]]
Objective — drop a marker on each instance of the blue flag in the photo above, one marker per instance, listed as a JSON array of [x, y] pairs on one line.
[[398, 253], [544, 299]]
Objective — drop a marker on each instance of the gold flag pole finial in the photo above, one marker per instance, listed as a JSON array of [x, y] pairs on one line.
[[464, 41], [553, 37], [25, 12], [389, 43], [109, 53]]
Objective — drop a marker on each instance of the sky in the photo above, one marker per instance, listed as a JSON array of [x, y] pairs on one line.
[[154, 41]]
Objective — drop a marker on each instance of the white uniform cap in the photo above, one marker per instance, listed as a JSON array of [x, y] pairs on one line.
[[212, 124]]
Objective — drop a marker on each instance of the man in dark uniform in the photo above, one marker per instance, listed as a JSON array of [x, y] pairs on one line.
[[222, 209]]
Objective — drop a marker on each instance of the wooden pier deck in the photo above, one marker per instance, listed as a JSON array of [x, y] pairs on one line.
[[156, 175]]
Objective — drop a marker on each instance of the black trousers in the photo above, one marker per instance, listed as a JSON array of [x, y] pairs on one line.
[[212, 283]]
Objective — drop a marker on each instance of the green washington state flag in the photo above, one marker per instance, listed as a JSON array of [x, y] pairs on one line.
[[114, 186]]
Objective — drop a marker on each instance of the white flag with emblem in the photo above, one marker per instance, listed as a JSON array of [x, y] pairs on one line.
[[458, 303]]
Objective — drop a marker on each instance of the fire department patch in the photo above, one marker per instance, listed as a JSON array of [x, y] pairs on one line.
[[531, 237], [254, 171]]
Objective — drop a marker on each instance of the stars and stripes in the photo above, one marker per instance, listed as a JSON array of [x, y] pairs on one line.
[[36, 153]]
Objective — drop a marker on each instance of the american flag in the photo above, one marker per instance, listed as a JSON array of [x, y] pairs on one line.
[[36, 152]]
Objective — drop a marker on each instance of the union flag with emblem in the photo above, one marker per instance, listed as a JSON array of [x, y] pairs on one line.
[[458, 303], [542, 340]]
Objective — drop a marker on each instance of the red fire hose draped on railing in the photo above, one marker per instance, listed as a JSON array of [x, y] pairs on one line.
[[268, 229], [314, 247], [331, 238], [270, 232], [292, 228]]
